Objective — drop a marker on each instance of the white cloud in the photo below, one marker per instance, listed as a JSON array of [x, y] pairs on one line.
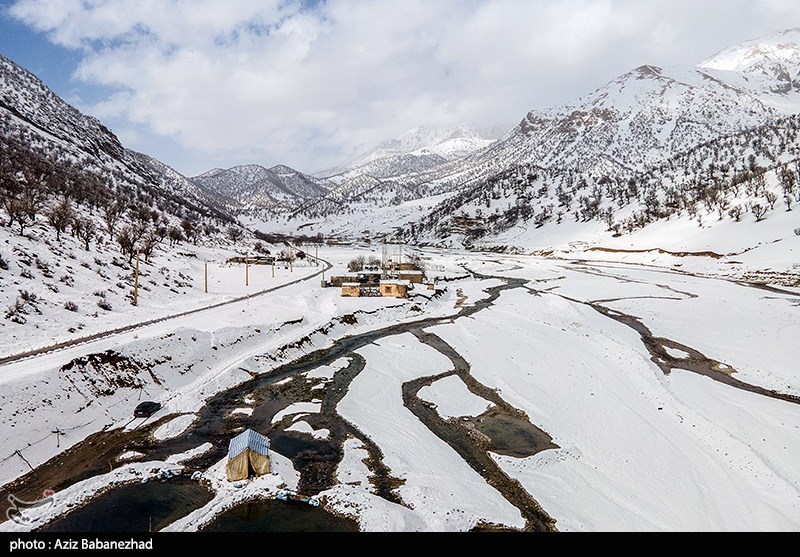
[[310, 84]]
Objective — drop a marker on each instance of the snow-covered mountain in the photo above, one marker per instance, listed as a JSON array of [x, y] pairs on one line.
[[768, 68], [626, 128], [417, 150], [76, 208], [646, 115], [252, 186], [30, 110]]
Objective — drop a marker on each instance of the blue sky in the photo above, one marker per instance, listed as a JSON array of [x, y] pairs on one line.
[[202, 83]]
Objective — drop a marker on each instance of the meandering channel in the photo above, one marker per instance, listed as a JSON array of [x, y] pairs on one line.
[[316, 459]]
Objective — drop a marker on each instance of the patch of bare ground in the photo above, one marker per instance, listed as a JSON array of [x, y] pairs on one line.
[[711, 254], [766, 278]]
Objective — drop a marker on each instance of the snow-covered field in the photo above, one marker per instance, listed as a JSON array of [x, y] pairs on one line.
[[637, 449]]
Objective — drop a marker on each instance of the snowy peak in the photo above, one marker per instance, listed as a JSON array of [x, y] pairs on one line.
[[427, 137], [417, 150], [783, 47], [438, 141], [252, 185], [768, 68]]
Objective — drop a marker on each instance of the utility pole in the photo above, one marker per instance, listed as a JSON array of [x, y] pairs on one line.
[[247, 269], [316, 254], [136, 281], [273, 267], [205, 278], [291, 259]]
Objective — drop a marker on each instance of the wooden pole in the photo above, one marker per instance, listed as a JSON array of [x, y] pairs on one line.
[[316, 255], [291, 260], [136, 281], [205, 279], [273, 268], [247, 269]]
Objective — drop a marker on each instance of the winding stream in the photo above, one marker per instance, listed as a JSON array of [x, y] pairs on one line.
[[316, 459], [502, 429]]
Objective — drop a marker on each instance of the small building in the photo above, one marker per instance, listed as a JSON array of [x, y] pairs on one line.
[[351, 289], [407, 266], [248, 455], [339, 280], [395, 288], [412, 276], [252, 260]]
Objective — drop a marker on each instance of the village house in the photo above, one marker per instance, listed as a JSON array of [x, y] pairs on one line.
[[411, 275], [351, 289], [395, 288]]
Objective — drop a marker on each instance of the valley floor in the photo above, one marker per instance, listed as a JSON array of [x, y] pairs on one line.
[[528, 393]]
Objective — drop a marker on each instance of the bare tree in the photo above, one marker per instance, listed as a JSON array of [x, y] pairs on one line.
[[788, 180], [149, 243], [29, 204], [356, 264], [175, 235], [736, 212], [17, 213], [9, 192], [60, 217], [759, 211], [235, 233], [722, 207], [85, 231], [112, 211], [189, 230], [128, 240], [771, 198]]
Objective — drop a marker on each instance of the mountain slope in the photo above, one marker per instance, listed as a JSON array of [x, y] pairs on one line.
[[417, 150], [76, 210], [245, 187], [744, 177], [627, 127], [768, 68]]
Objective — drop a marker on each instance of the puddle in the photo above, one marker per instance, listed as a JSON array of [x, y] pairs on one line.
[[512, 436], [134, 508], [299, 445], [278, 516]]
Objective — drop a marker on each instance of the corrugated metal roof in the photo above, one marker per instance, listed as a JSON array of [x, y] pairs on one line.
[[248, 439]]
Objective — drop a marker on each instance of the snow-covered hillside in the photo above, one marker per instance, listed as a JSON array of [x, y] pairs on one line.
[[768, 68], [247, 187], [626, 129], [712, 141], [76, 208], [418, 149]]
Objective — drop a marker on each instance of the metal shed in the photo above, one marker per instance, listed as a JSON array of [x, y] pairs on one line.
[[248, 455]]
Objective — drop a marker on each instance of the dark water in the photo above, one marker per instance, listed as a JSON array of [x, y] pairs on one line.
[[279, 516], [293, 445], [133, 507], [513, 436]]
